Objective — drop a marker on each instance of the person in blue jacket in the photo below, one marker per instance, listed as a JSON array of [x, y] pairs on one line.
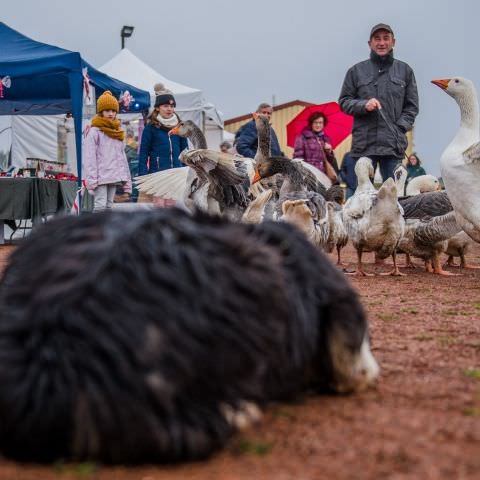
[[158, 150], [246, 139]]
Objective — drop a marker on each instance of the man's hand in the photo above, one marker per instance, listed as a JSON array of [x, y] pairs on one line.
[[373, 104]]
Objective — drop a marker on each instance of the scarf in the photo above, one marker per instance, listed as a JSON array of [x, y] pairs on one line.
[[384, 61], [111, 128], [163, 123], [168, 122]]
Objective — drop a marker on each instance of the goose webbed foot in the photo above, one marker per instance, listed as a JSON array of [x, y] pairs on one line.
[[395, 272], [465, 264], [470, 267], [438, 270], [360, 271]]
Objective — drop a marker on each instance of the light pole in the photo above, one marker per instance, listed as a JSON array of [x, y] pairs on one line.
[[126, 32]]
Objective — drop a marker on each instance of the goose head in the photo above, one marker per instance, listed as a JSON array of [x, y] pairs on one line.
[[364, 170], [261, 121], [400, 176], [269, 167], [456, 87], [464, 93], [184, 129]]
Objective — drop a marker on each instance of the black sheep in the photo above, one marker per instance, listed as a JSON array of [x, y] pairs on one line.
[[151, 337]]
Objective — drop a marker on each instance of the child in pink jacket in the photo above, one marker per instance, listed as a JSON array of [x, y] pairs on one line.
[[104, 162]]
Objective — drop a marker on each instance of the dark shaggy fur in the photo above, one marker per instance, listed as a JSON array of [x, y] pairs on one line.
[[121, 337]]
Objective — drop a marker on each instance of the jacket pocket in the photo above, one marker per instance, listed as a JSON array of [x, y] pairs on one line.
[[366, 88], [398, 87]]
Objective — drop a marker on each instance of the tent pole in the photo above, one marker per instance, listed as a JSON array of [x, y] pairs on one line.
[[76, 92]]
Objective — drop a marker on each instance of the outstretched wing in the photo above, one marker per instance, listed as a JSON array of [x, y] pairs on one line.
[[164, 184]]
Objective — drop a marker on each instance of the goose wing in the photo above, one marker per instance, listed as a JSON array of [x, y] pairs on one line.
[[219, 167], [359, 204], [437, 229], [165, 184], [255, 212], [426, 205], [314, 201], [319, 175], [472, 153]]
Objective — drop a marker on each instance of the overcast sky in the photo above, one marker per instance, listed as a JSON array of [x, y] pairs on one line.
[[243, 52]]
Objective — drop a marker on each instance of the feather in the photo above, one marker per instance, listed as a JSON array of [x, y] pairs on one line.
[[164, 184], [319, 175], [436, 229], [426, 205], [472, 153]]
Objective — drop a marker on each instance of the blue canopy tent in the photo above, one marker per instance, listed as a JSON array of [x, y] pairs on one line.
[[41, 79]]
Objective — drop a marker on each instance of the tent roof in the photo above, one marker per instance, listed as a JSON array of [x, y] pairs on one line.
[[133, 70], [40, 82]]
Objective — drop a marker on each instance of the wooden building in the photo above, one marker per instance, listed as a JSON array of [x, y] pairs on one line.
[[282, 115]]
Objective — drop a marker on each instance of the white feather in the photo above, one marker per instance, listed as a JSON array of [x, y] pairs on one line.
[[169, 183]]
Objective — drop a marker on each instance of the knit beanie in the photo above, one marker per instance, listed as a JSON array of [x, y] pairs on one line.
[[106, 101], [163, 96]]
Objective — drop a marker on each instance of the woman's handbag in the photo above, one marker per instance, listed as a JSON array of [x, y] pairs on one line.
[[330, 171], [329, 159]]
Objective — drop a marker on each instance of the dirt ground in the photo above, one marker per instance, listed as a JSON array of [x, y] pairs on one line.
[[422, 421]]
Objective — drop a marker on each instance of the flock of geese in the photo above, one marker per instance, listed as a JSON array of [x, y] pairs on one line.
[[418, 220]]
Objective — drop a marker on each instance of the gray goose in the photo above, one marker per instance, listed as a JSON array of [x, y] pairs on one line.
[[428, 238], [308, 212], [337, 237], [218, 181]]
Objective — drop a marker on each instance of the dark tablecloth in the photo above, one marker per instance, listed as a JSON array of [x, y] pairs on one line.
[[34, 198]]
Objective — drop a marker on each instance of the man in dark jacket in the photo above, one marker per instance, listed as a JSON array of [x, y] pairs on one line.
[[246, 139], [381, 94]]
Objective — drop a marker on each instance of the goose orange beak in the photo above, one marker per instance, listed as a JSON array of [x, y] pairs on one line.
[[256, 178], [443, 84], [173, 131]]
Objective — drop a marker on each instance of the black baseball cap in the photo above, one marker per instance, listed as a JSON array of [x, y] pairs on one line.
[[380, 26]]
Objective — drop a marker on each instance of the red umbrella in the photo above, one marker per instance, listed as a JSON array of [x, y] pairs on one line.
[[339, 124]]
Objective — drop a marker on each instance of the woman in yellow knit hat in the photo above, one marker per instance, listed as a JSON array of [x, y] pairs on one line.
[[104, 162]]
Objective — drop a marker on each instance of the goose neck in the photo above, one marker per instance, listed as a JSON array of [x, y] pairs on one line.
[[198, 139], [469, 112]]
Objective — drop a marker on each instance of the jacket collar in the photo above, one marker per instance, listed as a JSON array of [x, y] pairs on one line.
[[385, 60], [308, 133]]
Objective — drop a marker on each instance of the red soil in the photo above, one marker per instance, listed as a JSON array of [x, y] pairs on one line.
[[422, 421]]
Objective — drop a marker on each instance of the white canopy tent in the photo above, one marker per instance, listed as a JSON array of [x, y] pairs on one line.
[[191, 104]]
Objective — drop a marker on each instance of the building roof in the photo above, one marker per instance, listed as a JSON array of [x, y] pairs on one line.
[[275, 108]]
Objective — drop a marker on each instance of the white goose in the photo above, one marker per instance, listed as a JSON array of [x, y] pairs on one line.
[[422, 184], [373, 220], [417, 185], [460, 162]]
